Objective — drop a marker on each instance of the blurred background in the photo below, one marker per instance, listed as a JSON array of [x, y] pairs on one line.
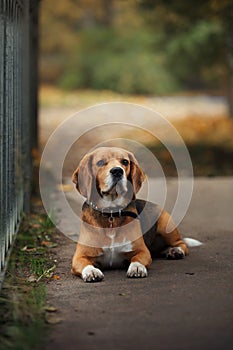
[[173, 56]]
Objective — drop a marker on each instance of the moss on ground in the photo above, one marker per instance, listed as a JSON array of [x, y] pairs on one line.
[[23, 295]]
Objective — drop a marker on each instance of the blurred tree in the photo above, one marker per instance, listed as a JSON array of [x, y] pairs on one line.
[[142, 46], [199, 32], [61, 22], [101, 44], [102, 60]]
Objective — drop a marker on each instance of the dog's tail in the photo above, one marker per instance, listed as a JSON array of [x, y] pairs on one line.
[[192, 242]]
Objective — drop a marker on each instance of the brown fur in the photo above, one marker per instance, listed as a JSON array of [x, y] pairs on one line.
[[90, 179]]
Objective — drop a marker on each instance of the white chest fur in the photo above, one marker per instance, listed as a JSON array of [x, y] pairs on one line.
[[114, 254]]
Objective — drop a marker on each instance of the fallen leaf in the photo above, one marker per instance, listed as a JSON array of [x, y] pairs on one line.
[[45, 243], [56, 277], [49, 244], [26, 249], [66, 188], [50, 308], [36, 225], [32, 278], [36, 201], [31, 249], [52, 319]]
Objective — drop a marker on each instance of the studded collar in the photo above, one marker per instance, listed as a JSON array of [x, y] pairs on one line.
[[113, 213]]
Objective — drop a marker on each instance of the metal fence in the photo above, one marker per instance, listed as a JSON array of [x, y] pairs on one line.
[[18, 114]]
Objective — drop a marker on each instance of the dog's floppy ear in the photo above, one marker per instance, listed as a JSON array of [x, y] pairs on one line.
[[82, 176], [137, 175]]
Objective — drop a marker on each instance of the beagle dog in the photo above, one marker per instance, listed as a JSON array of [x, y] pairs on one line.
[[117, 228]]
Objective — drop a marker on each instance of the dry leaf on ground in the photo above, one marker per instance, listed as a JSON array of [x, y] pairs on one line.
[[50, 318]]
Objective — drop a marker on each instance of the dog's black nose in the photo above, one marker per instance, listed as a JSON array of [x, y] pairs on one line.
[[117, 172]]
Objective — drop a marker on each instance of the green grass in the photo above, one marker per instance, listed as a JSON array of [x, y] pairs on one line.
[[23, 295]]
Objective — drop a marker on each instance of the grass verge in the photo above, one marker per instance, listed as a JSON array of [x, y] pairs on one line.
[[23, 296]]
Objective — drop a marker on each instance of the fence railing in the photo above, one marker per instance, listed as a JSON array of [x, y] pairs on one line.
[[18, 114]]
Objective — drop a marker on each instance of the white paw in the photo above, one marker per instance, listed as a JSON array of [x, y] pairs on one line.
[[136, 270], [92, 274], [175, 253]]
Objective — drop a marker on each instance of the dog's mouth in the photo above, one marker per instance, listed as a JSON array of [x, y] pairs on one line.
[[116, 188]]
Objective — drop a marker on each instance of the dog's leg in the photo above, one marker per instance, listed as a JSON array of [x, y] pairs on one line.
[[140, 260], [83, 266], [177, 249], [85, 269]]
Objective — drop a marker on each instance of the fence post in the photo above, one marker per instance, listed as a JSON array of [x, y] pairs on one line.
[[18, 114]]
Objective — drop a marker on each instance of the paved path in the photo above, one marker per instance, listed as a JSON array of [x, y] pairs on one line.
[[185, 304]]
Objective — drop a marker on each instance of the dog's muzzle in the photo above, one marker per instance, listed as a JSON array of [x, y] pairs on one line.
[[117, 181], [117, 173]]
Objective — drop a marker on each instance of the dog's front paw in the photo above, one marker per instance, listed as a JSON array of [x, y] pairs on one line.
[[92, 274], [136, 270], [175, 253]]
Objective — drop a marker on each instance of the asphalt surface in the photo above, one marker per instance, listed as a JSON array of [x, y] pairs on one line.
[[183, 304]]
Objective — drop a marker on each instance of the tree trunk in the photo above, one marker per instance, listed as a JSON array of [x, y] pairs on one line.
[[109, 12], [230, 94], [228, 20]]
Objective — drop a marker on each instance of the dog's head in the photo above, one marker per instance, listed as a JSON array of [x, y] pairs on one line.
[[108, 173]]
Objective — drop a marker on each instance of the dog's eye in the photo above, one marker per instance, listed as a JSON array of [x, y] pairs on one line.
[[101, 162], [125, 162]]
